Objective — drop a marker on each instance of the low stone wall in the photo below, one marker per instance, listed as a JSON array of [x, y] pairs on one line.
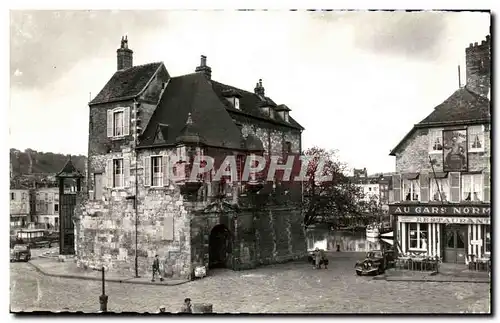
[[105, 233]]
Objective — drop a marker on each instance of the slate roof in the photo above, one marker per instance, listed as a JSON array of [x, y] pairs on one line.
[[463, 107], [69, 171], [126, 84], [193, 94], [249, 105]]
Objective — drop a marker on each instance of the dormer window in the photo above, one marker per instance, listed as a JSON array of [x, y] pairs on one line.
[[233, 96], [284, 112], [235, 102]]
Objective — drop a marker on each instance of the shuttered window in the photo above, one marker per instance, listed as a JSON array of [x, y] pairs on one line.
[[454, 187], [118, 122], [472, 187], [118, 173]]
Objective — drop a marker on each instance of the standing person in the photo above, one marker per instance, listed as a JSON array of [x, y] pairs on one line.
[[156, 267], [317, 258], [186, 307], [323, 259]]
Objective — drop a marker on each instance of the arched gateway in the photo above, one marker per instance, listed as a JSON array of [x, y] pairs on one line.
[[219, 247]]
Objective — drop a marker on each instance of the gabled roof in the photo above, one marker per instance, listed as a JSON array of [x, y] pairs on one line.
[[193, 94], [249, 105], [69, 171], [126, 84], [463, 107]]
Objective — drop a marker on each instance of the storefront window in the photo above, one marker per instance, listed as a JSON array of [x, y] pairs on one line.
[[487, 239], [418, 235]]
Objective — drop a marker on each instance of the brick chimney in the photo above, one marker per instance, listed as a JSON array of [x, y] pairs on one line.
[[203, 68], [124, 55], [478, 67], [259, 89]]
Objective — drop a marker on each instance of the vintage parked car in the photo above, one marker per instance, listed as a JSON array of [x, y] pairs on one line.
[[20, 252], [375, 263]]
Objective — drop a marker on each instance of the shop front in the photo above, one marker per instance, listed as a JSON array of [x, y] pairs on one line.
[[455, 233]]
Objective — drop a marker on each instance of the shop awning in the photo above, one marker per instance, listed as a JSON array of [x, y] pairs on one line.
[[441, 175], [410, 176]]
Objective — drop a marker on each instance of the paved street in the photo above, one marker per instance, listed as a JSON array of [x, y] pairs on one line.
[[287, 288]]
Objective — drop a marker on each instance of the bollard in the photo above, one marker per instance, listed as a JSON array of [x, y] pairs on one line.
[[201, 308]]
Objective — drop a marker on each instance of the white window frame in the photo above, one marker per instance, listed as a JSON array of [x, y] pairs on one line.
[[435, 133], [414, 189], [122, 181], [472, 131], [419, 231], [116, 111], [236, 103], [433, 189], [286, 116], [156, 175], [476, 180], [181, 153]]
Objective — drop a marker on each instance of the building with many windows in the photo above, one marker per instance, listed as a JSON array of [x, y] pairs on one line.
[[440, 195], [19, 207], [47, 207], [146, 131]]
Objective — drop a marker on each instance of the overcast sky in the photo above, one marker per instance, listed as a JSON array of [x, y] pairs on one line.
[[357, 81]]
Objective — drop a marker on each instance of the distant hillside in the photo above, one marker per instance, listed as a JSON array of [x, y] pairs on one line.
[[34, 162]]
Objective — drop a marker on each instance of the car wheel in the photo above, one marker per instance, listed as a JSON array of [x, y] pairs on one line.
[[358, 273]]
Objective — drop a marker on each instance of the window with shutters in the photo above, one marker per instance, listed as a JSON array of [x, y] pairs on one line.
[[156, 171], [439, 185], [411, 190], [476, 138], [435, 141], [472, 189], [118, 178], [118, 122]]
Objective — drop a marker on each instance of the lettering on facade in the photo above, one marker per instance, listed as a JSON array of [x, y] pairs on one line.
[[444, 219], [441, 210]]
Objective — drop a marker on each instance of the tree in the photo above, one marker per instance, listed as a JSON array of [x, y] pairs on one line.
[[330, 198]]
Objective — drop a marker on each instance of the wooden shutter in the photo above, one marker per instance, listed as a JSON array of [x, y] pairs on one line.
[[455, 187], [165, 169], [126, 121], [147, 171], [396, 187], [109, 173], [424, 188], [486, 186], [126, 172], [110, 123]]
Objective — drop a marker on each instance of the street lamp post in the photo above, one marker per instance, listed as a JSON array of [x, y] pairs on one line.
[[103, 299]]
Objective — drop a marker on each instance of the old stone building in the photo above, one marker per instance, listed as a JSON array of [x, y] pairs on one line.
[[144, 119], [441, 192]]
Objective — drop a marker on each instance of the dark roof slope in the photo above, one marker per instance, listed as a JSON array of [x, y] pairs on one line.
[[193, 94], [249, 104], [126, 84], [462, 107], [69, 170]]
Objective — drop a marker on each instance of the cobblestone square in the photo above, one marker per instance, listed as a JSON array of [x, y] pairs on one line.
[[285, 288]]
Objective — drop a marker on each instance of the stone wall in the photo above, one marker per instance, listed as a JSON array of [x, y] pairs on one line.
[[414, 155], [273, 136], [107, 226], [478, 66]]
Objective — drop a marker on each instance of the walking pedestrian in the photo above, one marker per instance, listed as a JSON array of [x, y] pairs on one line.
[[156, 267], [186, 307]]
